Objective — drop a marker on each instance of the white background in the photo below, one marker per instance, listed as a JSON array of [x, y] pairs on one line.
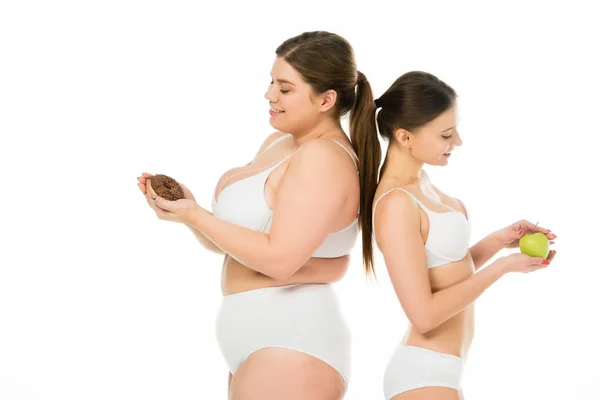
[[100, 300]]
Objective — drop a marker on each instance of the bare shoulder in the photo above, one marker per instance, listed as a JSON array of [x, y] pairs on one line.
[[322, 153], [394, 189], [395, 215], [394, 200]]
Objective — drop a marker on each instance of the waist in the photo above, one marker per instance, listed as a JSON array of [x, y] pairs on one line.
[[452, 337], [287, 298], [237, 278]]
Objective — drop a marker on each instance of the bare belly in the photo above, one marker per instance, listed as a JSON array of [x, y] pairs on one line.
[[455, 335], [236, 278]]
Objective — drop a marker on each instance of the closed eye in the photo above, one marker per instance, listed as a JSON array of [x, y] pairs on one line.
[[446, 137], [282, 91]]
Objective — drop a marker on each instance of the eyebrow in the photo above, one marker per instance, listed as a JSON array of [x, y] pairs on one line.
[[284, 81], [449, 129]]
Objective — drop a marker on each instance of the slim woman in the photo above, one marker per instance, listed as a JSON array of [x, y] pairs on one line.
[[423, 234]]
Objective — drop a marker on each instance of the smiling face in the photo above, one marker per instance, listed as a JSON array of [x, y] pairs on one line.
[[433, 142], [293, 104]]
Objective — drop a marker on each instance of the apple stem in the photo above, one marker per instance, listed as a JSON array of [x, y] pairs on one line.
[[536, 224]]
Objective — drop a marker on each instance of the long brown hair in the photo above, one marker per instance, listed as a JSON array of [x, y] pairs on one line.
[[326, 62], [413, 100], [363, 133]]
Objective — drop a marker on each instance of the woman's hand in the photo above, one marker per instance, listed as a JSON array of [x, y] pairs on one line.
[[183, 210], [143, 185], [509, 237], [519, 262]]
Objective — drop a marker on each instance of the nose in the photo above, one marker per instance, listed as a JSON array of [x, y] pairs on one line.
[[270, 94], [458, 139]]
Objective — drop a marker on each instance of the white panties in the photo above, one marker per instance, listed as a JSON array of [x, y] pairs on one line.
[[412, 367], [305, 318]]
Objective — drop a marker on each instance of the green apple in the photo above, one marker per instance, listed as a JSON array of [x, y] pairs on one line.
[[535, 245]]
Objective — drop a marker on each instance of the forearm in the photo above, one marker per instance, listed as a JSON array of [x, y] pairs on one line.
[[446, 303], [204, 241], [484, 250], [250, 248]]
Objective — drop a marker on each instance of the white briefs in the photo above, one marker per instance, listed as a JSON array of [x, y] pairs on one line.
[[305, 317], [412, 367]]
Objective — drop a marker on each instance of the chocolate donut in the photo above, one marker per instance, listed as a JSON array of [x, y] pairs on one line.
[[165, 187]]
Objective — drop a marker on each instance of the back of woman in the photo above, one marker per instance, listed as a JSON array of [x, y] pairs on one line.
[[286, 223]]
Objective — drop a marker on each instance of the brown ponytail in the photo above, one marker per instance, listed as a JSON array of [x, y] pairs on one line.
[[326, 62], [363, 134], [414, 99]]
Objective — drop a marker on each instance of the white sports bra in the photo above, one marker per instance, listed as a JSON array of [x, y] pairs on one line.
[[449, 233], [243, 203]]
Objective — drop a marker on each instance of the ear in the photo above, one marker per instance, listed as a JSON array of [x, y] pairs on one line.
[[327, 100], [403, 137]]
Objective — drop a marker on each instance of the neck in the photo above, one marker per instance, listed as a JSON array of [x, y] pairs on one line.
[[400, 165], [328, 127]]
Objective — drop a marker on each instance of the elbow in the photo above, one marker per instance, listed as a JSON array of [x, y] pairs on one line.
[[422, 324], [279, 274], [283, 268], [283, 272], [282, 262]]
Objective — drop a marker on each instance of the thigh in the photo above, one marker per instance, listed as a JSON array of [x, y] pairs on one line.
[[429, 393], [277, 373]]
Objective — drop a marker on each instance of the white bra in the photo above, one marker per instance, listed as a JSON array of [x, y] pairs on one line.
[[243, 203], [449, 233]]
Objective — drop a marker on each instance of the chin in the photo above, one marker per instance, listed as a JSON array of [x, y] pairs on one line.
[[439, 162], [287, 127], [277, 125], [282, 124]]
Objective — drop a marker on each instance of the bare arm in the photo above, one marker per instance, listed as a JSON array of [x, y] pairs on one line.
[[308, 201], [204, 241], [447, 303], [485, 249], [398, 233], [507, 237]]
